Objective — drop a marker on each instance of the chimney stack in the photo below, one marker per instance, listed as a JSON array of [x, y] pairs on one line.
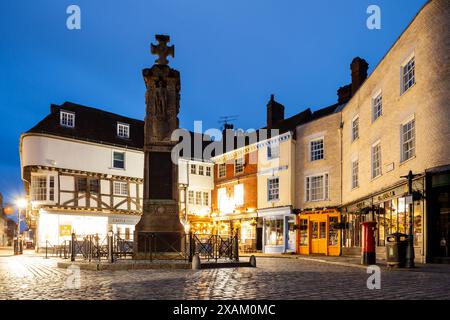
[[275, 112], [359, 69]]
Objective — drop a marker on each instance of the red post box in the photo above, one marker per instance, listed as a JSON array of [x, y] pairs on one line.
[[368, 245]]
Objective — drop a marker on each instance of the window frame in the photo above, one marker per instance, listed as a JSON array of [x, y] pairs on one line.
[[311, 149], [193, 168], [219, 171], [402, 140], [352, 172], [191, 197], [208, 171], [124, 160], [380, 160], [241, 165], [69, 114], [325, 188], [377, 102], [407, 61], [121, 125], [201, 170], [270, 194], [121, 190], [355, 137]]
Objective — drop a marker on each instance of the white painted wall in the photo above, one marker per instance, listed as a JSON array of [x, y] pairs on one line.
[[77, 155]]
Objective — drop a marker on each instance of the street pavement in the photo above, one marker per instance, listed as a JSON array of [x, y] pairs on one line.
[[33, 277]]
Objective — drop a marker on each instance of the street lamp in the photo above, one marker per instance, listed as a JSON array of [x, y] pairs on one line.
[[410, 251], [21, 204]]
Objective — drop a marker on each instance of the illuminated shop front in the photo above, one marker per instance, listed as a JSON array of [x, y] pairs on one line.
[[319, 233], [279, 235], [54, 228], [390, 210], [246, 227]]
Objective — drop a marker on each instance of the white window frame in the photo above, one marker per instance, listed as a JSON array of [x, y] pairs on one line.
[[42, 195], [273, 194], [311, 159], [193, 169], [124, 159], [191, 197], [65, 117], [325, 187], [354, 174], [402, 140], [120, 188], [372, 159], [49, 190], [377, 102], [221, 173], [201, 170], [123, 130], [205, 199], [355, 136], [198, 198], [208, 171], [239, 162], [403, 89]]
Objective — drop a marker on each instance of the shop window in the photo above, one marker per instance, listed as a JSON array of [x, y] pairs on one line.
[[315, 230], [303, 232], [323, 230], [333, 238], [274, 231]]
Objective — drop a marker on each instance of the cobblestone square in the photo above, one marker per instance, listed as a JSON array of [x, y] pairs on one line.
[[33, 277]]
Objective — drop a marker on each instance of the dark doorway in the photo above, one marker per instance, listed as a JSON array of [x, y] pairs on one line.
[[259, 234]]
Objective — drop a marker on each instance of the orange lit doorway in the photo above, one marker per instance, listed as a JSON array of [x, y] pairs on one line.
[[318, 233]]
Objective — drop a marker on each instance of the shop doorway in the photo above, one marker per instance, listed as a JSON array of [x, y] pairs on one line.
[[319, 233], [318, 226], [440, 221]]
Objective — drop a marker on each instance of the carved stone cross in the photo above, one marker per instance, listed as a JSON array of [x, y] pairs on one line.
[[162, 50]]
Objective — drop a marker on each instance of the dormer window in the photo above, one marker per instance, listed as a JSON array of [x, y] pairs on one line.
[[67, 119], [123, 130]]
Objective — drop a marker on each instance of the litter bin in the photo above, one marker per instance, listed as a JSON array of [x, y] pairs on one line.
[[396, 245]]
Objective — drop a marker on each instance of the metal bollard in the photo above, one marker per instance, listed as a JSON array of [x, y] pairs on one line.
[[72, 247]]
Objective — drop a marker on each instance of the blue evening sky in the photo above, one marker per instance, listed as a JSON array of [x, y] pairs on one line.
[[231, 54]]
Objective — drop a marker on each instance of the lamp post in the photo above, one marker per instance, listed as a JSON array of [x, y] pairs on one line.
[[410, 250], [21, 204]]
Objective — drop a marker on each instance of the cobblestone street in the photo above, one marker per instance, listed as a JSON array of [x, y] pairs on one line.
[[33, 277]]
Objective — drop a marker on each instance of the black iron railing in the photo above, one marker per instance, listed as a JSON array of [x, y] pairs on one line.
[[150, 246]]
